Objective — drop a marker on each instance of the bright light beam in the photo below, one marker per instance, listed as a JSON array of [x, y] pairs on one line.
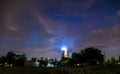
[[64, 49]]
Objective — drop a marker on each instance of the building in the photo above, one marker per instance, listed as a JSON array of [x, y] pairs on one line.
[[64, 54]]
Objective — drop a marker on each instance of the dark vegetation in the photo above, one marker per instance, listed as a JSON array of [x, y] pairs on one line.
[[88, 61], [62, 70], [13, 59], [88, 56]]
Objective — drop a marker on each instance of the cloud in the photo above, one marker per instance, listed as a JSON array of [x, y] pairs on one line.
[[11, 24], [77, 8], [42, 26], [106, 34], [23, 29], [118, 13], [107, 39], [45, 22]]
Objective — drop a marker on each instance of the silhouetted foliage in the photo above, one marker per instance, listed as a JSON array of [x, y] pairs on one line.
[[20, 60], [75, 59], [33, 59], [107, 62], [55, 62], [43, 62], [64, 61], [13, 58], [113, 61], [2, 60], [88, 56], [92, 56], [119, 58], [10, 58]]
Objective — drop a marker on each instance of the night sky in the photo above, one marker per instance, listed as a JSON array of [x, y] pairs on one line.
[[39, 28]]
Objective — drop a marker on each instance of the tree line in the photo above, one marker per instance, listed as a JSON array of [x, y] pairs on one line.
[[88, 56], [13, 59]]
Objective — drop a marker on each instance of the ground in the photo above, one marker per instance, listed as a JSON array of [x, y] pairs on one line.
[[62, 70]]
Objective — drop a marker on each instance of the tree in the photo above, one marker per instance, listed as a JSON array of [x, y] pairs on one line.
[[107, 62], [2, 60], [20, 59], [55, 62], [33, 59], [91, 56], [75, 59], [10, 57], [119, 59], [113, 61], [15, 58]]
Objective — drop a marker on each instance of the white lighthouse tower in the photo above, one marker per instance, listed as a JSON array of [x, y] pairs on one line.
[[64, 55]]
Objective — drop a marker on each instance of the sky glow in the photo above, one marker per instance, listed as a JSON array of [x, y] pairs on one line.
[[64, 48], [38, 28]]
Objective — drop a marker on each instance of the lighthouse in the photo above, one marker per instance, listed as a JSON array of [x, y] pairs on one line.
[[64, 54]]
